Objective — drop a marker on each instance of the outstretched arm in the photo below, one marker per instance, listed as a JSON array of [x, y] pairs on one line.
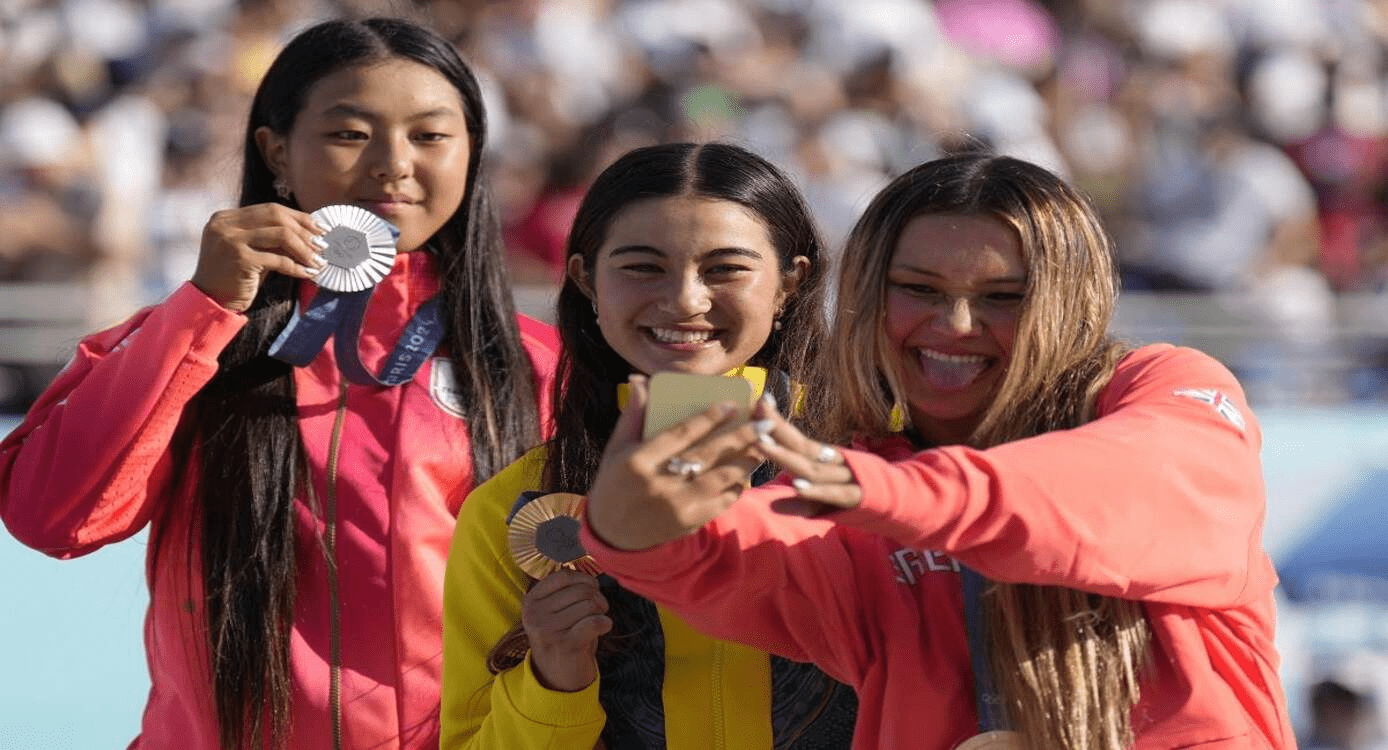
[[1160, 498]]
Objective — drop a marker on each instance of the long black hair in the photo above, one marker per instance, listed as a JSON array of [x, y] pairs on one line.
[[242, 427], [585, 399]]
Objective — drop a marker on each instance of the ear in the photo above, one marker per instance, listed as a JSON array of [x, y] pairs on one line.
[[579, 275], [791, 279], [273, 149]]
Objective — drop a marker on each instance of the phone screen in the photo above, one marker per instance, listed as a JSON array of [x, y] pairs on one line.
[[677, 396]]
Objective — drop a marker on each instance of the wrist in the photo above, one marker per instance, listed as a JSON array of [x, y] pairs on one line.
[[562, 671]]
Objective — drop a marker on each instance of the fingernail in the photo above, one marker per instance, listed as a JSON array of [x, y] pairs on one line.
[[324, 228], [801, 483], [319, 243], [768, 399], [767, 440], [320, 261], [762, 427], [310, 270]]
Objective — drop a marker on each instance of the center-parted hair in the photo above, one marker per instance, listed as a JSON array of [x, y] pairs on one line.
[[585, 405], [1066, 661]]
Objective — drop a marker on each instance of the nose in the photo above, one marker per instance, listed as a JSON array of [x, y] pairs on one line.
[[689, 297], [391, 159], [957, 318]]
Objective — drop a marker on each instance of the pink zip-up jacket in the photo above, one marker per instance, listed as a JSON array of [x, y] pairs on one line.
[[90, 465], [1159, 499]]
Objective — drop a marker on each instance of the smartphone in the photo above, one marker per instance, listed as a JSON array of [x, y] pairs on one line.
[[677, 396]]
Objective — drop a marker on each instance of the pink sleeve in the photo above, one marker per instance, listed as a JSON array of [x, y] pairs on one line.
[[87, 463], [1161, 498], [784, 585], [541, 343]]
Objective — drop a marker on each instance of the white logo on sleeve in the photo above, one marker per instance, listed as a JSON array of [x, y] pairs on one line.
[[911, 564], [1223, 405], [443, 387]]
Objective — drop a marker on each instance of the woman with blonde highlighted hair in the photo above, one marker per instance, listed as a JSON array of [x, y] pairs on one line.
[[1040, 537]]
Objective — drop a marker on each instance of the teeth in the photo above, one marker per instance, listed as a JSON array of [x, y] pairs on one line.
[[672, 336], [956, 359]]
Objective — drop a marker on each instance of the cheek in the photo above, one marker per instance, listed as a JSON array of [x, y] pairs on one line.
[[902, 317], [754, 307], [1005, 333], [447, 177], [312, 161], [616, 296]]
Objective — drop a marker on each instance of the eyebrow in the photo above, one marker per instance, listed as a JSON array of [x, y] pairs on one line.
[[648, 250], [344, 109], [1020, 280]]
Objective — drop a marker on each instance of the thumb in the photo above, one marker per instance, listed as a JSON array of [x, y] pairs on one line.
[[629, 425]]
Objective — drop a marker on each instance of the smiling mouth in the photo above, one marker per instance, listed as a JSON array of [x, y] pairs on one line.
[[678, 336], [387, 202]]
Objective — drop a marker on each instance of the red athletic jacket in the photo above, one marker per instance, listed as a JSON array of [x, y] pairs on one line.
[[1159, 499], [90, 465]]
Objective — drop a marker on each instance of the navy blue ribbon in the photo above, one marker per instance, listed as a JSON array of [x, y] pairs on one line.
[[332, 313], [986, 697]]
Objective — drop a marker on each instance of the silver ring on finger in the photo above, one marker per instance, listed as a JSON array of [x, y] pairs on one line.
[[826, 455], [682, 467]]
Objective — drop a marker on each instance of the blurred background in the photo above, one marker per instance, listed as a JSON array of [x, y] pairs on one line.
[[1238, 150]]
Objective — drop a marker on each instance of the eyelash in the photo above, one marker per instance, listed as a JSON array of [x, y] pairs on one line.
[[924, 290], [722, 269], [357, 135]]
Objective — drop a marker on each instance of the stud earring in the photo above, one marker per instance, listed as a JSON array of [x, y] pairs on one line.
[[776, 324], [282, 189], [595, 308]]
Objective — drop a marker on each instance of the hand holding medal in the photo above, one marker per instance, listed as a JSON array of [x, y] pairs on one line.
[[564, 613], [240, 246]]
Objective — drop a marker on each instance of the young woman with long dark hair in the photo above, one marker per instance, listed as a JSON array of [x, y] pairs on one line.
[[1042, 538], [299, 516], [687, 258]]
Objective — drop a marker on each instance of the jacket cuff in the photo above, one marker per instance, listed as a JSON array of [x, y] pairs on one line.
[[552, 708], [638, 564], [212, 326]]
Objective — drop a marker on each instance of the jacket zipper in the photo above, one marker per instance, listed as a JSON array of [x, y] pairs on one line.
[[335, 642], [720, 738]]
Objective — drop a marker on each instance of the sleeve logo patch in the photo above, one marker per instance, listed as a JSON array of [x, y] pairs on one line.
[[1223, 405], [443, 387]]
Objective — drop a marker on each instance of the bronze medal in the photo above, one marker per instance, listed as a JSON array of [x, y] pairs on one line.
[[543, 536]]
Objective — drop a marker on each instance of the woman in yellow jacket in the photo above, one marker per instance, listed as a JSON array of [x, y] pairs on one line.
[[689, 258]]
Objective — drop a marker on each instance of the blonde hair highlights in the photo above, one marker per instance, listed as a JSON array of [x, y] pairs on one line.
[[1066, 662]]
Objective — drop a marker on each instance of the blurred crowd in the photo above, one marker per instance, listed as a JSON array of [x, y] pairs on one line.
[[1234, 146]]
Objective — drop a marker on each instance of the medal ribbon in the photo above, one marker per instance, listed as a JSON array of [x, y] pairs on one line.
[[986, 697], [341, 313]]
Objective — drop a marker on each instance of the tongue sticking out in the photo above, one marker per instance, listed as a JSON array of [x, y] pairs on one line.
[[952, 374]]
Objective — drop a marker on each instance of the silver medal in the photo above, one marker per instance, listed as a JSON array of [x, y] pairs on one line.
[[361, 248]]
